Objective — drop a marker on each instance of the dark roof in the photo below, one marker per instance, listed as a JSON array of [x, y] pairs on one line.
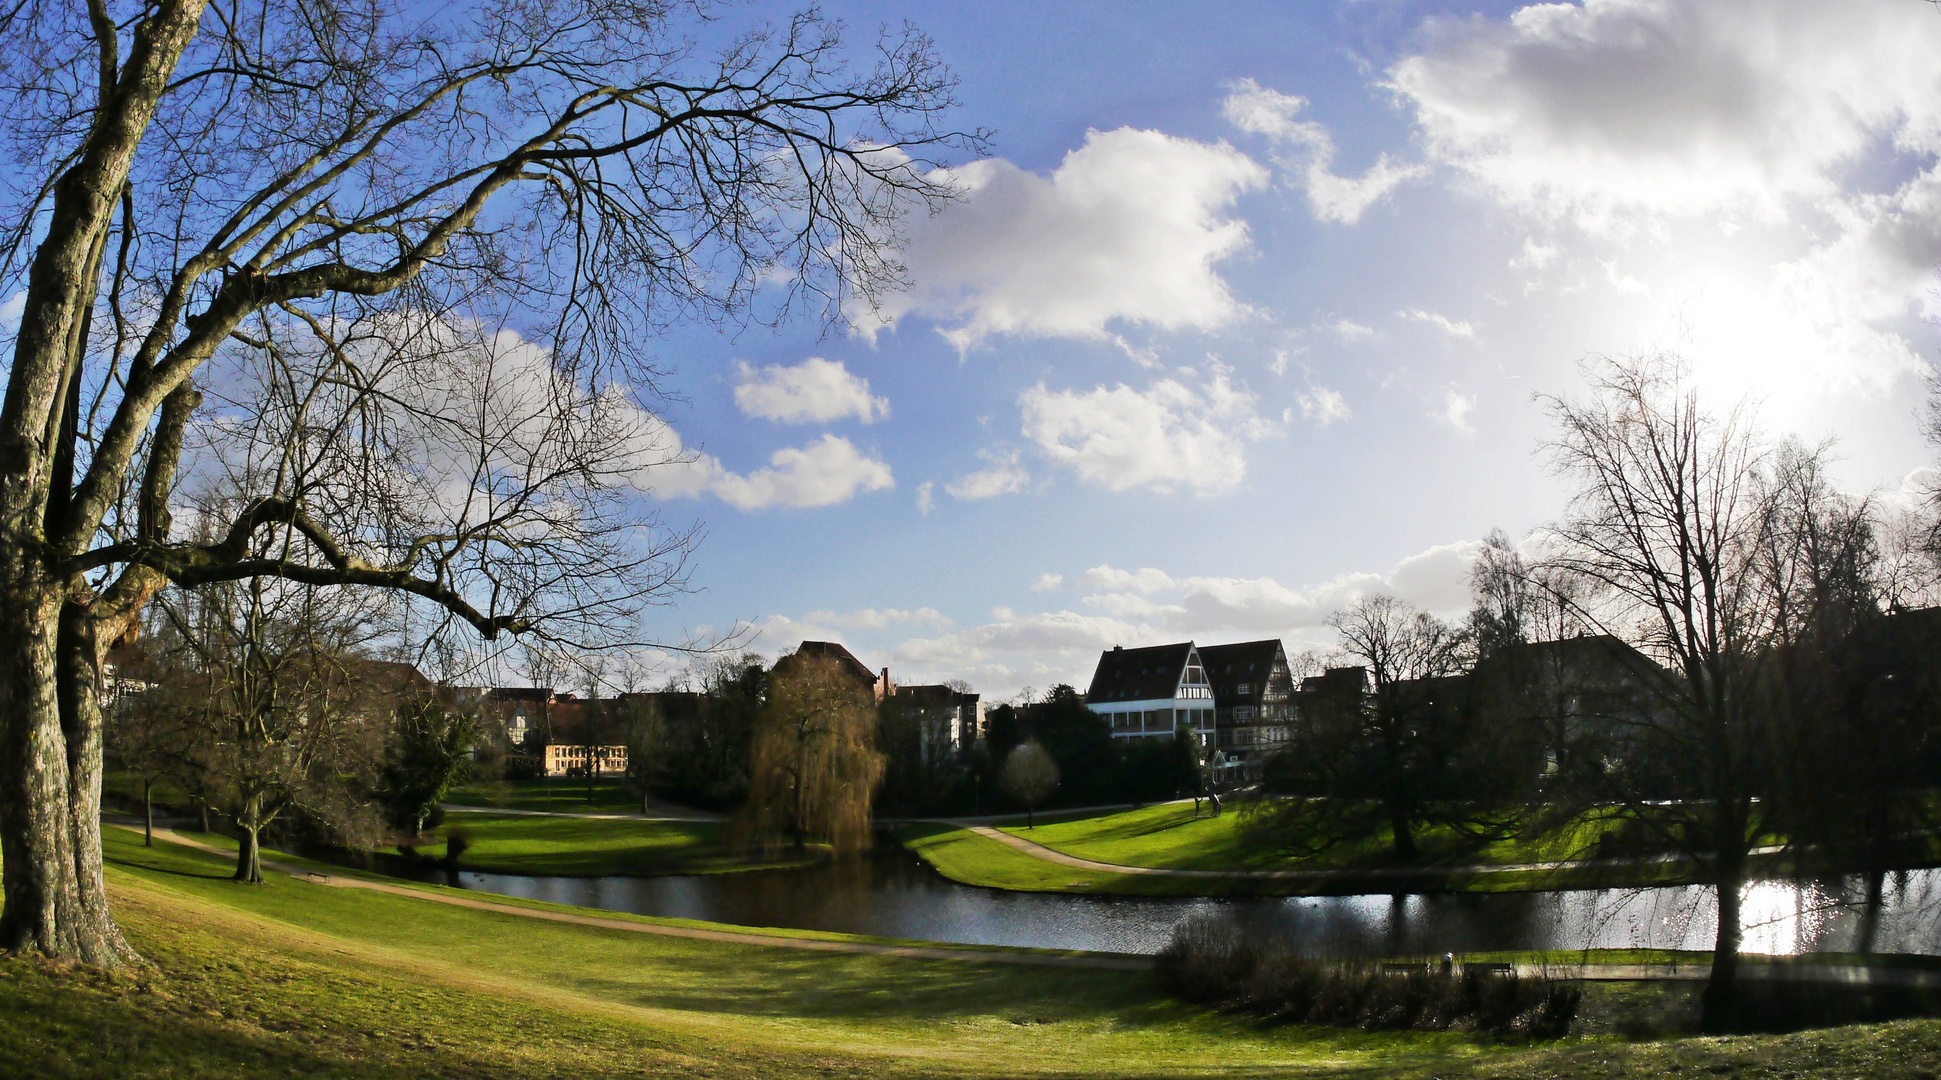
[[1336, 680], [933, 694], [832, 650], [520, 693], [1250, 662], [1139, 674], [392, 676], [582, 722], [1583, 657]]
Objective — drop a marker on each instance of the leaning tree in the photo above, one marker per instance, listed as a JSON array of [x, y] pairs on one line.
[[403, 260]]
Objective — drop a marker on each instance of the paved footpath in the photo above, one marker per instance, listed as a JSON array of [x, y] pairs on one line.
[[1100, 961]]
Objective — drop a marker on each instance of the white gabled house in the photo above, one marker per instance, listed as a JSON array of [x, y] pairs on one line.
[[1151, 692]]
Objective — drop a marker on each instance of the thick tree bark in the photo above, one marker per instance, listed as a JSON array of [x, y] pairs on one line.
[[78, 691], [249, 861], [50, 748], [1870, 911], [1403, 830], [1719, 1008], [50, 783], [148, 812]]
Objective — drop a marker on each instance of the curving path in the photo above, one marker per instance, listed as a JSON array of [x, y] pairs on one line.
[[1100, 961]]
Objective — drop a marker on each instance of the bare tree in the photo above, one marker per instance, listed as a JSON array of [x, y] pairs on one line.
[[1549, 699], [813, 765], [339, 197], [1029, 776], [1662, 535], [1849, 683], [262, 676], [1405, 721]]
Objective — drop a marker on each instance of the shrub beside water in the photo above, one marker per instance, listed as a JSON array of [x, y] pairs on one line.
[[1216, 963]]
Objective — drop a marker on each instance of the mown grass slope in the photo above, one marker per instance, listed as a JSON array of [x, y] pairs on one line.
[[560, 795], [298, 979], [591, 847]]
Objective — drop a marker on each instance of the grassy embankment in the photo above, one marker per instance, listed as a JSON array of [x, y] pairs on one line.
[[593, 847], [1172, 836], [291, 978], [610, 795]]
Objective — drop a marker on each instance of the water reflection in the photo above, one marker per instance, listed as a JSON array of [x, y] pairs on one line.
[[896, 895]]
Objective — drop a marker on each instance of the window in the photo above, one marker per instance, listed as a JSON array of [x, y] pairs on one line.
[[1243, 712], [1244, 688]]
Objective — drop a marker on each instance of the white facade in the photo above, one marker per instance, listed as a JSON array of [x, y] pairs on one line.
[[1191, 704]]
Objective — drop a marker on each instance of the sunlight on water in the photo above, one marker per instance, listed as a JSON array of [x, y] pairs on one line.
[[897, 896]]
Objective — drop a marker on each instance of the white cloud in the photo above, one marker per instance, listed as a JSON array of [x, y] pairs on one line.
[[1534, 256], [1452, 327], [814, 391], [1694, 124], [1881, 266], [1166, 436], [1055, 633], [825, 472], [1455, 410], [874, 619], [1348, 330], [1308, 153], [1148, 606], [1146, 579], [1002, 475], [1640, 109], [1437, 579], [779, 634], [1127, 229], [10, 312], [926, 501], [1324, 406]]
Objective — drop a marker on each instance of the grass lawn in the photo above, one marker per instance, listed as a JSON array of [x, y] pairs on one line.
[[590, 847], [1171, 836], [610, 794], [293, 979]]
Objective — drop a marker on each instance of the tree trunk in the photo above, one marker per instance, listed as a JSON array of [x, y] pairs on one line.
[[148, 812], [203, 805], [50, 781], [249, 862], [50, 733], [1403, 830], [1870, 912], [1719, 1007]]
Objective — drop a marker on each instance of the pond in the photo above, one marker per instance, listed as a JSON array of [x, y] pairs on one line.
[[895, 894]]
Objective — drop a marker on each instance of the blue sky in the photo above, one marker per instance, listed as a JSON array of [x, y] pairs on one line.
[[1246, 313]]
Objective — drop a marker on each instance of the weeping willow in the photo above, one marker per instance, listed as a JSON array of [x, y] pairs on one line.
[[814, 767]]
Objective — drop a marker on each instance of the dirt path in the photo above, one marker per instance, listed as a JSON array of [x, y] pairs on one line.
[[1099, 961]]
